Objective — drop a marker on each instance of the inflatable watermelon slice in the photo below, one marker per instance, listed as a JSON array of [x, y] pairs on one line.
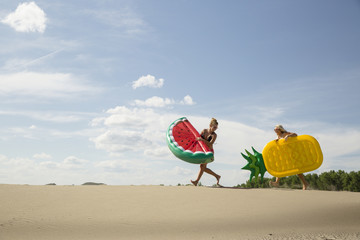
[[181, 139]]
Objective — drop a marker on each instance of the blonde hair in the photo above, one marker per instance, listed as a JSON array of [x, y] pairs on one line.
[[281, 128], [214, 122]]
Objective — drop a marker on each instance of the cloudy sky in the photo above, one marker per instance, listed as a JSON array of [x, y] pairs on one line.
[[88, 88]]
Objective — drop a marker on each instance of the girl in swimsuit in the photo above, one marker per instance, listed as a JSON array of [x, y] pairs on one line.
[[208, 136], [283, 134]]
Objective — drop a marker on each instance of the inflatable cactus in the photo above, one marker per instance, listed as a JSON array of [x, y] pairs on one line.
[[255, 164]]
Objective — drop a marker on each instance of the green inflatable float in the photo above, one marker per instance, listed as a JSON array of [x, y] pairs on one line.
[[255, 164]]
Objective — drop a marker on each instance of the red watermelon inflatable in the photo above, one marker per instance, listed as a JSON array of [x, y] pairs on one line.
[[181, 139]]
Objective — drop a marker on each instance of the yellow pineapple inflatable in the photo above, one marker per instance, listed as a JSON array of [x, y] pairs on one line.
[[296, 155]]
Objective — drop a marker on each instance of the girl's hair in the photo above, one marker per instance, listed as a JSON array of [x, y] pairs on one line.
[[213, 122], [281, 128]]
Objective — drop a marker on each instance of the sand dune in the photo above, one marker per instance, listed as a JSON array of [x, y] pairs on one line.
[[158, 212]]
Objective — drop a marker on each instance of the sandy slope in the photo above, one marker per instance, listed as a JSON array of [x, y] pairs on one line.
[[157, 212]]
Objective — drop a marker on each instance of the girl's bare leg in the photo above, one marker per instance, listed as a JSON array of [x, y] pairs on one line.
[[202, 169], [276, 183], [209, 171], [303, 180]]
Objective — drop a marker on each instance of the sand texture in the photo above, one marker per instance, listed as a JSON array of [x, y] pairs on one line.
[[178, 212]]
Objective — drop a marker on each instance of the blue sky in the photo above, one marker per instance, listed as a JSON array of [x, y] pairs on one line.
[[88, 88]]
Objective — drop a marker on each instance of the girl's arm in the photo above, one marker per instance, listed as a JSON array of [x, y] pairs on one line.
[[214, 136], [201, 134], [290, 135], [209, 144]]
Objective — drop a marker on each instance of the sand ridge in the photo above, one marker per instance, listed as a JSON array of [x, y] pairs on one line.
[[175, 212]]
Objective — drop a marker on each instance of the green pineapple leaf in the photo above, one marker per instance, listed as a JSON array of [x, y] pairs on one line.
[[255, 164]]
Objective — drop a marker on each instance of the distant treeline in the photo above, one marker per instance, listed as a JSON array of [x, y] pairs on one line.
[[330, 181]]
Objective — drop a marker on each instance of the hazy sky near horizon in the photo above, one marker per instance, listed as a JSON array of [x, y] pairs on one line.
[[88, 88]]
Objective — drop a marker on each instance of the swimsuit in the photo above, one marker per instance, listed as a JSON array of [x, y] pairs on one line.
[[208, 139]]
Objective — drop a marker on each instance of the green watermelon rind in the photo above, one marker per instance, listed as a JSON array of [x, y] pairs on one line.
[[190, 157]]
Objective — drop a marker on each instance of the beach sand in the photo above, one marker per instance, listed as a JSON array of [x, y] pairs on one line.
[[175, 212]]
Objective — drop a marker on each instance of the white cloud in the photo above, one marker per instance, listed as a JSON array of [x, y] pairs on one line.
[[128, 117], [28, 17], [125, 19], [160, 151], [338, 148], [178, 171], [159, 102], [73, 162], [42, 156], [22, 170], [148, 81], [116, 141], [133, 130], [154, 102], [120, 165], [112, 165], [187, 100], [70, 162], [48, 116], [43, 85]]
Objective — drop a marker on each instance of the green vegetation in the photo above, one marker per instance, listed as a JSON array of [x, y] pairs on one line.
[[329, 181], [93, 183]]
